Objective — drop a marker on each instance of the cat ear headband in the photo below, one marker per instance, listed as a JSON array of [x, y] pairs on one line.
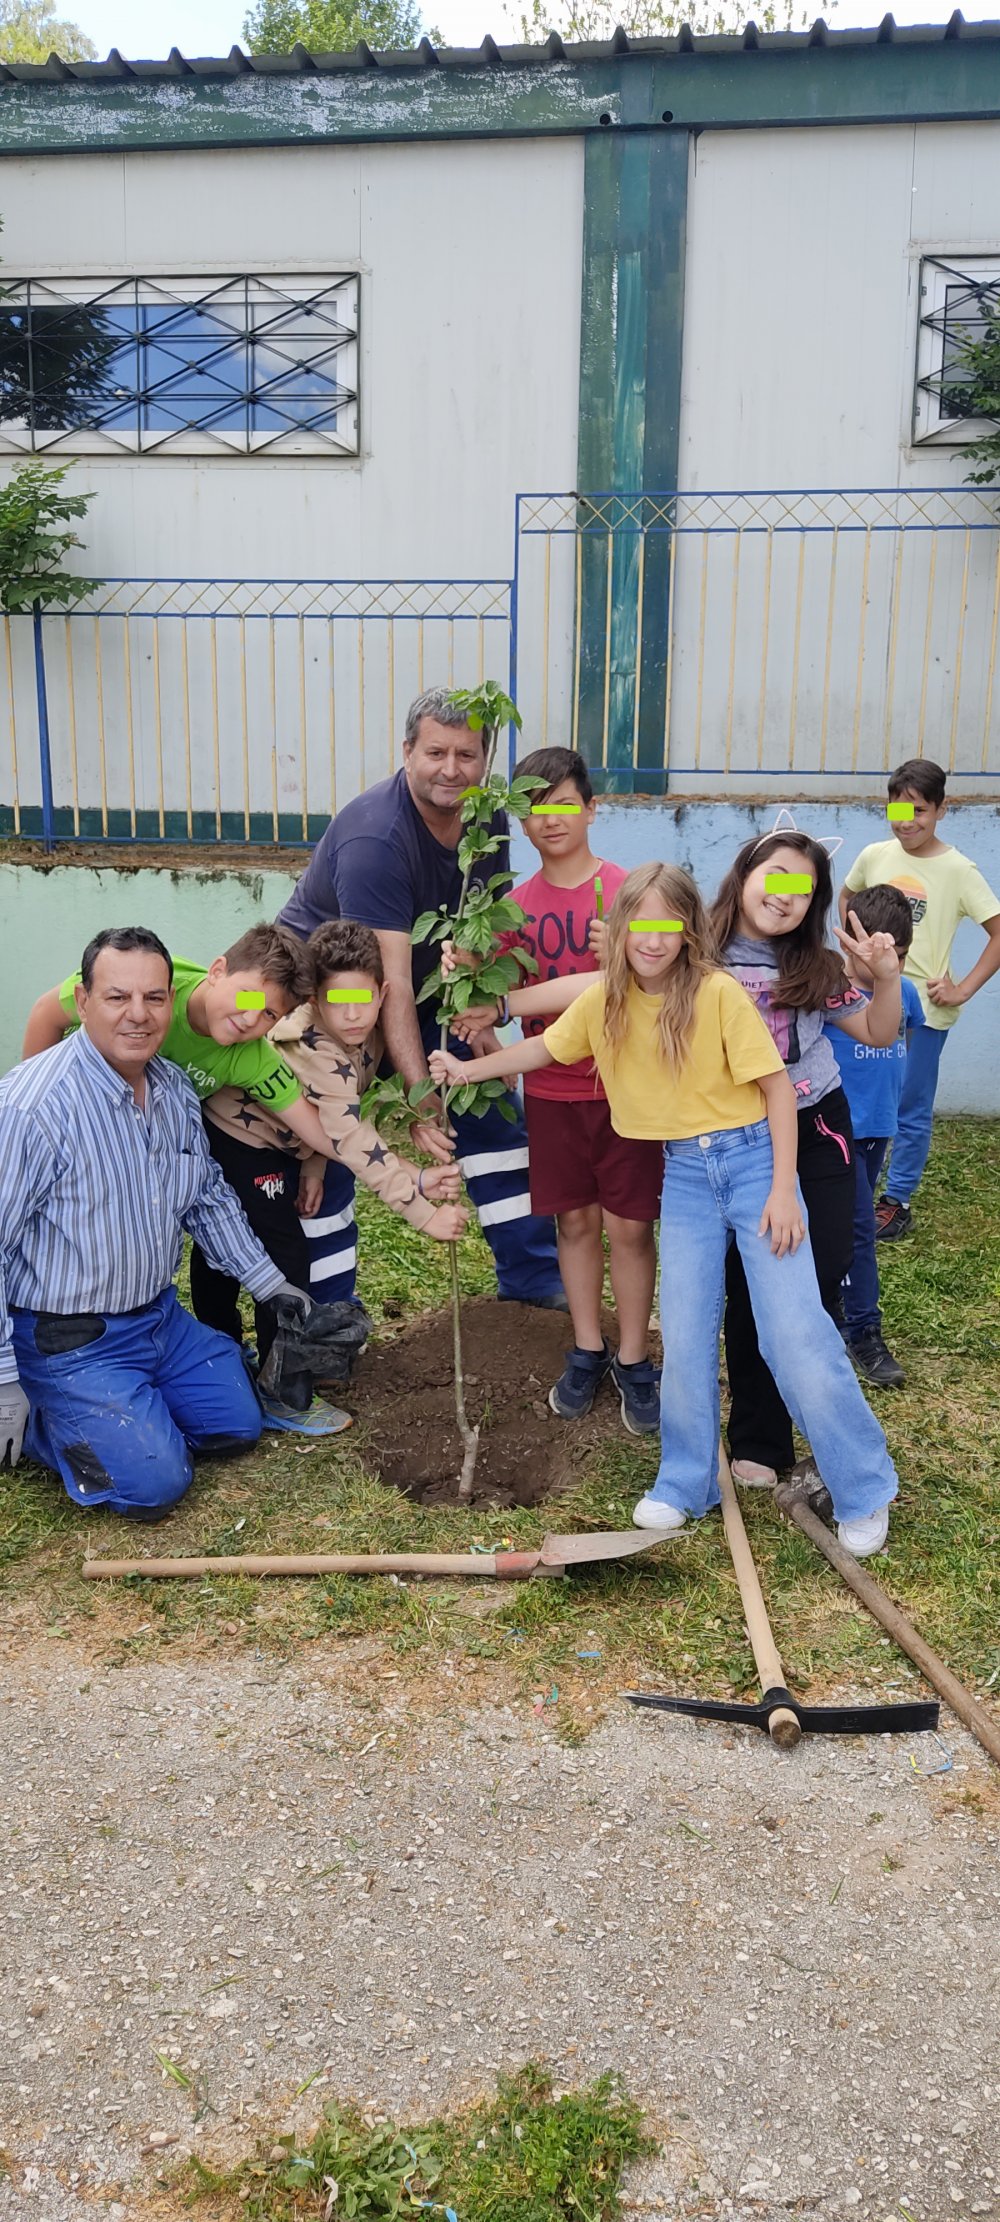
[[785, 823]]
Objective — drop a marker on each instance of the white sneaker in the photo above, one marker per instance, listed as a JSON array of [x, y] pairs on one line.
[[655, 1512], [862, 1537]]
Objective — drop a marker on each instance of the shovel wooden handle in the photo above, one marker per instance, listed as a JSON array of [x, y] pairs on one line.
[[382, 1562], [783, 1725], [973, 1715]]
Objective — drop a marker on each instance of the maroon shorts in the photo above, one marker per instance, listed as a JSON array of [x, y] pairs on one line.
[[576, 1158]]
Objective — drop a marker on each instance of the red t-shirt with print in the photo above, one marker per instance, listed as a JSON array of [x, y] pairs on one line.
[[559, 919]]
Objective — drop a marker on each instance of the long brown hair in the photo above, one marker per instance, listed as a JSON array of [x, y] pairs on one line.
[[659, 889], [809, 973]]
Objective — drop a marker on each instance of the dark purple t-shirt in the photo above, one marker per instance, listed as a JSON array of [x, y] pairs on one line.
[[379, 863]]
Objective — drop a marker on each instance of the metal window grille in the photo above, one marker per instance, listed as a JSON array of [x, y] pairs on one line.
[[957, 305], [229, 365]]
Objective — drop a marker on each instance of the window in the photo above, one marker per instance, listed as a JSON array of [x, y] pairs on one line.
[[245, 366], [955, 302]]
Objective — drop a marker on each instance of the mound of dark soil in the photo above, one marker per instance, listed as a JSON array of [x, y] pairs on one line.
[[403, 1396]]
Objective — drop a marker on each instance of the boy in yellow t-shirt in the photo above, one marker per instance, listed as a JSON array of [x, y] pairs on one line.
[[942, 887]]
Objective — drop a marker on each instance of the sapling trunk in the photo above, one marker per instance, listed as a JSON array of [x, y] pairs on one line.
[[468, 1433]]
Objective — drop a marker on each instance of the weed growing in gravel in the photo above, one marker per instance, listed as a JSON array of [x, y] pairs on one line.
[[523, 2156]]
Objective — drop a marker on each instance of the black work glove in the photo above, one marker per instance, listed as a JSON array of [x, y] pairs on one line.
[[294, 1300]]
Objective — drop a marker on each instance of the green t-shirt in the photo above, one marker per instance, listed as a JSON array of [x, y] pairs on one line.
[[255, 1066], [941, 891]]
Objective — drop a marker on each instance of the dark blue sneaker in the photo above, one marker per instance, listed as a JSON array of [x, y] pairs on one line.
[[639, 1389], [579, 1382]]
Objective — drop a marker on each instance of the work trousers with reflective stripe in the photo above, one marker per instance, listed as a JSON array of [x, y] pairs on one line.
[[493, 1155]]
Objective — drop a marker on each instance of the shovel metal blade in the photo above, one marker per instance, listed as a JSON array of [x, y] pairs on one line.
[[814, 1720], [582, 1550]]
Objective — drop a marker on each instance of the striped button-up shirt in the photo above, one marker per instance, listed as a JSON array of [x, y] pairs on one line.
[[96, 1192]]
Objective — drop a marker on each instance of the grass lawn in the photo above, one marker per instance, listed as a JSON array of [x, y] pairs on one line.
[[673, 1618]]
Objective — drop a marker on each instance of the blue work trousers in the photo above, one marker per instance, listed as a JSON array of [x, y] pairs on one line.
[[120, 1404], [912, 1146]]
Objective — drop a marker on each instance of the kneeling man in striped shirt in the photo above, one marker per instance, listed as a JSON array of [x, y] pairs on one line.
[[104, 1166]]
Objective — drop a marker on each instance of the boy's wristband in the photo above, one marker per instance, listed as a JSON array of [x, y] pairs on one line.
[[421, 1190], [503, 1016]]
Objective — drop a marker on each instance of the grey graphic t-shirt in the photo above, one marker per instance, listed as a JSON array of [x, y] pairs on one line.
[[798, 1035]]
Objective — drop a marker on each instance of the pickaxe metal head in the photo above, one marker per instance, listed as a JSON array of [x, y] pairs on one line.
[[814, 1720]]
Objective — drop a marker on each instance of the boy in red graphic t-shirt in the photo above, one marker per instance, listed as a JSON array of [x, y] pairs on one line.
[[579, 1169]]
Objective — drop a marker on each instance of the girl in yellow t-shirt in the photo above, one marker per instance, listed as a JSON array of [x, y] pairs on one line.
[[685, 1057]]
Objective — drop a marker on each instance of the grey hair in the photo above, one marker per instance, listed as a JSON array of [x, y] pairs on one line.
[[435, 703]]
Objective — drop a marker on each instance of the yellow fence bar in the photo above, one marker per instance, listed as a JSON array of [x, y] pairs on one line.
[[734, 609], [830, 607], [129, 724], [606, 718], [186, 696], [546, 637], [158, 722], [451, 651], [272, 649], [793, 711], [480, 651], [928, 629], [420, 655], [577, 638], [700, 695], [390, 683], [765, 633], [216, 764], [959, 650], [890, 683], [245, 728], [14, 788], [669, 674], [640, 594], [333, 718], [74, 768], [862, 629], [992, 664], [361, 702], [303, 729], [101, 741]]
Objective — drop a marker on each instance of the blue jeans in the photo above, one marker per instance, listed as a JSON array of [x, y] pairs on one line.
[[911, 1148], [121, 1402], [714, 1191], [862, 1310]]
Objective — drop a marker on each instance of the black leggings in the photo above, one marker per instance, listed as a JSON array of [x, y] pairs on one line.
[[759, 1426], [267, 1183]]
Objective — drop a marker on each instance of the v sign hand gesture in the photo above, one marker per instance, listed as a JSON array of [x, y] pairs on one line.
[[877, 952]]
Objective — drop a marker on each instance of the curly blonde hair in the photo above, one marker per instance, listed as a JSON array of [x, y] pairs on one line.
[[659, 890]]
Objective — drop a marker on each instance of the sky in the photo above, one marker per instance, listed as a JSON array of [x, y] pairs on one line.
[[147, 29]]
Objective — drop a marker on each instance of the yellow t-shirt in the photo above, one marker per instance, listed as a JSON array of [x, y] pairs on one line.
[[729, 1050], [941, 891]]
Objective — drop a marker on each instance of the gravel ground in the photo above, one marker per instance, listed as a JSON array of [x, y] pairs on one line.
[[261, 1871]]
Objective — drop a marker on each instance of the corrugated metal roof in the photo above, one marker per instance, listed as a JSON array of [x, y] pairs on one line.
[[300, 63]]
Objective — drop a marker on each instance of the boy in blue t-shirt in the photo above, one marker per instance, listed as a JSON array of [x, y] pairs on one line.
[[872, 1082]]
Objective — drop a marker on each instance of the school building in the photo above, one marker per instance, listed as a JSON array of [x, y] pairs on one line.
[[633, 370]]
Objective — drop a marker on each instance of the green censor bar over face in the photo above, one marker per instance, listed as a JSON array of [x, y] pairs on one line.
[[787, 883], [556, 809], [348, 995], [250, 999], [656, 926], [900, 813]]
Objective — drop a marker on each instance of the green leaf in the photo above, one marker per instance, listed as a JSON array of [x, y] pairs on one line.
[[423, 925], [508, 1112]]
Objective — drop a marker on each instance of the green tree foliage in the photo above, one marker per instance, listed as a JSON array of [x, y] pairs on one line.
[[332, 26], [36, 519], [30, 30], [976, 390], [656, 19]]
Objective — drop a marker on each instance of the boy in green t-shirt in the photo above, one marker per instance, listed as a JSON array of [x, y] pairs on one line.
[[942, 887]]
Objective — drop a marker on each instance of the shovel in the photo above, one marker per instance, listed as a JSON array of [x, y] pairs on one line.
[[556, 1555], [778, 1711]]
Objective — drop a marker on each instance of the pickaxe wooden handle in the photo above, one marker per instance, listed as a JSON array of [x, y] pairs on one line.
[[783, 1725]]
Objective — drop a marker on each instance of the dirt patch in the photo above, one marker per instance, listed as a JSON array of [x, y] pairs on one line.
[[405, 1401]]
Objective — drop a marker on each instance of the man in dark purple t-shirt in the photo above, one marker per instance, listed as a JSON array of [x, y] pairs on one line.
[[386, 857]]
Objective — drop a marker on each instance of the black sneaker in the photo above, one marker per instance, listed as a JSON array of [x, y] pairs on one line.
[[892, 1220], [578, 1384], [639, 1389], [871, 1359]]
